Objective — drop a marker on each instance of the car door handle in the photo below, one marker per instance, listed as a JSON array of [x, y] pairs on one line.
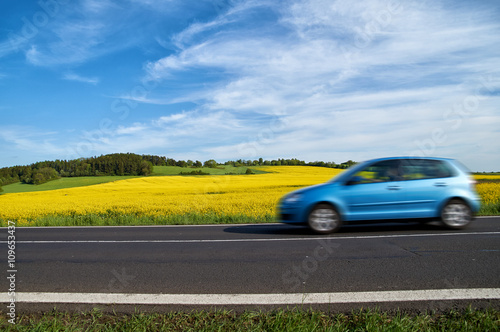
[[440, 184], [393, 187]]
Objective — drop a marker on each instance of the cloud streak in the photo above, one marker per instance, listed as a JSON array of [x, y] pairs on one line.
[[78, 78]]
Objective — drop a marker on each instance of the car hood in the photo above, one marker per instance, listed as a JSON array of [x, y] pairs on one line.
[[305, 190]]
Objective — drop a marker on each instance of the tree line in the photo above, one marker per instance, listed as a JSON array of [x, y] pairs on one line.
[[164, 161], [289, 162], [44, 171], [128, 164]]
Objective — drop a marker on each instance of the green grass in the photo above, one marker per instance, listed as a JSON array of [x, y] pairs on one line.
[[113, 219], [62, 183], [279, 320], [492, 209]]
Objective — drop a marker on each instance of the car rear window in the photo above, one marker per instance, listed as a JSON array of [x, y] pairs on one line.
[[417, 169], [462, 167]]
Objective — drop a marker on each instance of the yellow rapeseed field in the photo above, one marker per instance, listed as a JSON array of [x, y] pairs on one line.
[[251, 195], [486, 177], [223, 195], [489, 192]]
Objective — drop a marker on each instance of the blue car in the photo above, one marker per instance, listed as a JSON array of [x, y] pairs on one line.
[[386, 189]]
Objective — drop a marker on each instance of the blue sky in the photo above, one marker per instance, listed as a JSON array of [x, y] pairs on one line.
[[230, 79]]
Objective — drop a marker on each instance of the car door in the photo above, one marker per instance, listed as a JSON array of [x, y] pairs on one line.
[[427, 184], [376, 192]]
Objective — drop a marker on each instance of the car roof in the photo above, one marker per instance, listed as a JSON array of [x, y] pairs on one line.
[[408, 157]]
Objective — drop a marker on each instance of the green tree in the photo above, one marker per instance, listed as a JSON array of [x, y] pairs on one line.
[[210, 163], [42, 175], [146, 168]]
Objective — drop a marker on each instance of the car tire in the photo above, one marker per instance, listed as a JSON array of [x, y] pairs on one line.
[[324, 219], [456, 214]]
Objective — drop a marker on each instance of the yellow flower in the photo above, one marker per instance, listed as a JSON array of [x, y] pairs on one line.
[[489, 192], [249, 195]]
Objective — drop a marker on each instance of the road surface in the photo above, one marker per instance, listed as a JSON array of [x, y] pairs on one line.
[[407, 266]]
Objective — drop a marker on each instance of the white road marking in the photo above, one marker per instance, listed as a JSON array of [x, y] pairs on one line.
[[330, 238], [259, 299]]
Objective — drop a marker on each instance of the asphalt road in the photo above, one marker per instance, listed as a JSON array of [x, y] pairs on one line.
[[257, 259]]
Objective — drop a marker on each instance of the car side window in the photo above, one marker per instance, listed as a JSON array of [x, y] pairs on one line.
[[383, 171], [419, 169]]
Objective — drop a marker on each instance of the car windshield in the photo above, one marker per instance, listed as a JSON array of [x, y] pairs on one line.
[[343, 176]]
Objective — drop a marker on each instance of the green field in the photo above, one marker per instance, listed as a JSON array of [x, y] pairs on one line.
[[71, 182], [62, 183]]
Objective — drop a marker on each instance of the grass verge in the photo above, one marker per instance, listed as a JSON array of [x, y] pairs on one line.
[[491, 209], [113, 219], [137, 220], [281, 320]]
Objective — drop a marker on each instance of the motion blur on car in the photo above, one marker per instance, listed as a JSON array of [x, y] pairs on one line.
[[386, 189]]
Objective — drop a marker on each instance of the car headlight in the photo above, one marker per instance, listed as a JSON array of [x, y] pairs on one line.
[[292, 198]]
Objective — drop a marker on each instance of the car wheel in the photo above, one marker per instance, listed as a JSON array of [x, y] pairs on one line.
[[456, 214], [324, 219]]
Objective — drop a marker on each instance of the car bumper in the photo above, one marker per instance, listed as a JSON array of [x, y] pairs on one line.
[[475, 204], [289, 215]]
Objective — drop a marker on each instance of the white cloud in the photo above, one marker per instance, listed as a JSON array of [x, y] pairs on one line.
[[367, 78], [170, 118], [10, 46], [33, 55], [180, 132], [78, 78], [131, 130], [98, 6], [80, 32], [28, 144]]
